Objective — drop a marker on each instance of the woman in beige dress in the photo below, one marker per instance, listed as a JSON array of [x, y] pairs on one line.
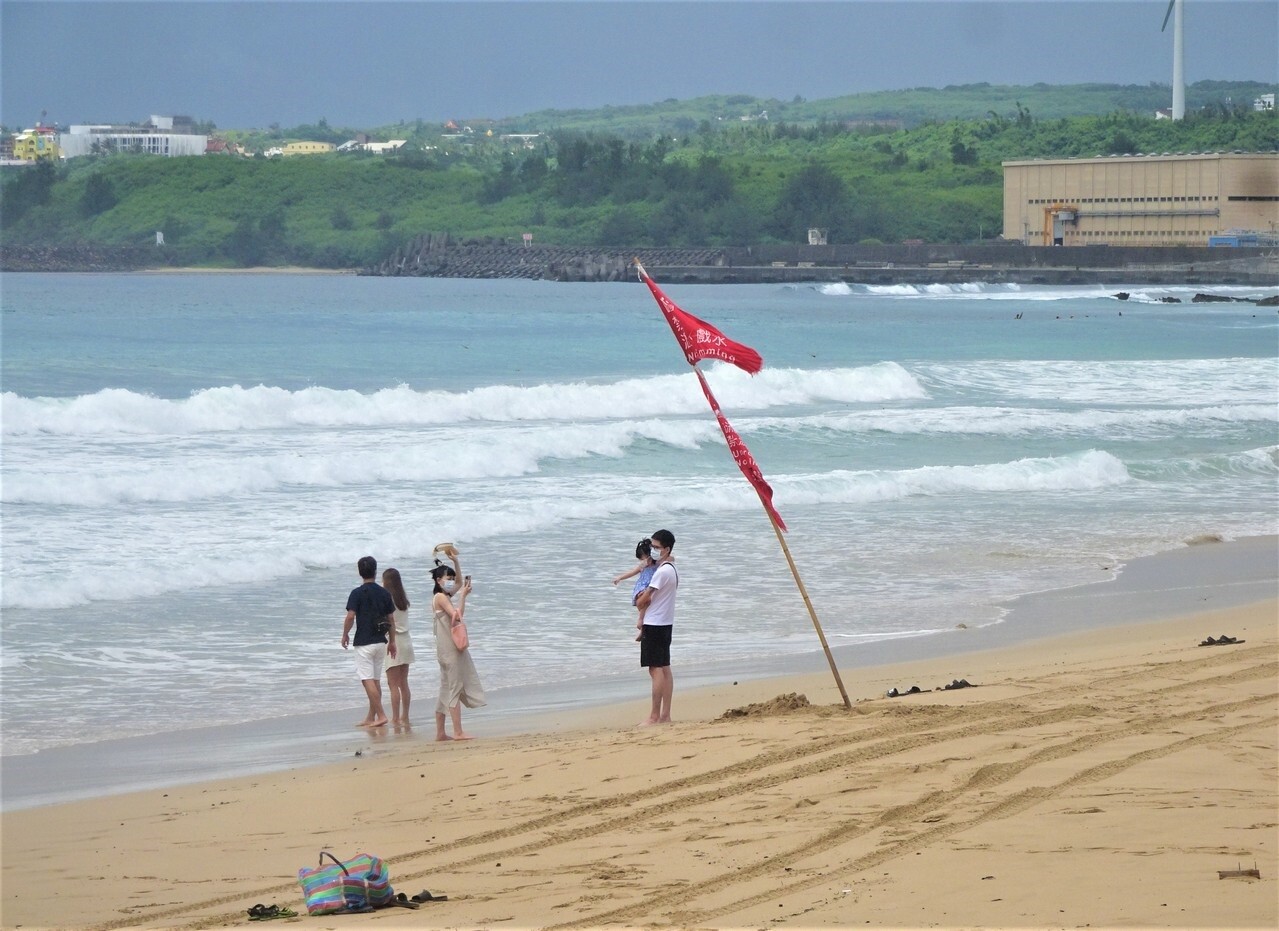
[[459, 682], [397, 667]]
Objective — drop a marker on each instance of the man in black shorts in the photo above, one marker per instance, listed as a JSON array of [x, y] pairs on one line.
[[658, 604]]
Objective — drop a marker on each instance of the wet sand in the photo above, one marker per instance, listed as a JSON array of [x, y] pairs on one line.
[[1171, 584]]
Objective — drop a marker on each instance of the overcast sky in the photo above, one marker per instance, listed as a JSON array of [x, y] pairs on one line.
[[365, 63]]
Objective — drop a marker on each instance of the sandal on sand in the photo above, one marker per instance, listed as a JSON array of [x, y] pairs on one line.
[[403, 901], [1223, 640], [426, 896], [261, 912]]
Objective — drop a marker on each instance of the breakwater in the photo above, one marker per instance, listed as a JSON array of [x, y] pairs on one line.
[[435, 255], [439, 255], [80, 257], [442, 256]]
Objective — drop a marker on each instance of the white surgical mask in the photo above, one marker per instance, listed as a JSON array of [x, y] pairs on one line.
[[448, 585], [655, 553]]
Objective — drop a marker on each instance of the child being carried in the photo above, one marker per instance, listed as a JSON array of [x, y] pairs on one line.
[[644, 570]]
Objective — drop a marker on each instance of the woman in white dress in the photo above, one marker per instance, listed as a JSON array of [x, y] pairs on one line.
[[397, 668], [459, 682]]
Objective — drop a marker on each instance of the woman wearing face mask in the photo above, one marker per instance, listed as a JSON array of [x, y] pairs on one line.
[[459, 682]]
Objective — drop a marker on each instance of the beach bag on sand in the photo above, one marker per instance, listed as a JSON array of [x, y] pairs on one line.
[[360, 884]]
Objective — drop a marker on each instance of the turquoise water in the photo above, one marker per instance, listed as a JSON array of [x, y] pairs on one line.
[[192, 465]]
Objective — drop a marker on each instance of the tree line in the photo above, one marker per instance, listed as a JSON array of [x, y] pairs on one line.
[[724, 184]]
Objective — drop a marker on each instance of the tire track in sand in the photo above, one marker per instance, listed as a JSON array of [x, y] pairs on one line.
[[932, 805], [878, 742]]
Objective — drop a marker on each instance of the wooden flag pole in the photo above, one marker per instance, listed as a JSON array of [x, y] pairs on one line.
[[740, 454], [821, 635]]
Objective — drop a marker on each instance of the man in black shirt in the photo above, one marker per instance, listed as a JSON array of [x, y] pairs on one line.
[[370, 609]]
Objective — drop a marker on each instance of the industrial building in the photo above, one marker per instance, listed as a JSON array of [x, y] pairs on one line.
[[1142, 200]]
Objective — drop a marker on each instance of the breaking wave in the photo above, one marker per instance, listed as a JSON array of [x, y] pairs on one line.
[[211, 410]]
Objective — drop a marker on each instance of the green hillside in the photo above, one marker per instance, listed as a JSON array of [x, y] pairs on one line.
[[909, 108], [727, 182]]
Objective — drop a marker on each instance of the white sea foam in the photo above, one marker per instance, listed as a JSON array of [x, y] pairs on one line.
[[211, 410], [978, 290], [226, 546], [1088, 470], [65, 471], [988, 291], [1181, 382], [1263, 461], [1017, 421], [172, 473]]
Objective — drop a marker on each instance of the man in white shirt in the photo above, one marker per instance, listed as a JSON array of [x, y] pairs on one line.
[[657, 602]]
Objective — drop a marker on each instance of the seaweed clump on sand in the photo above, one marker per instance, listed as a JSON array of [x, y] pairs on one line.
[[782, 704]]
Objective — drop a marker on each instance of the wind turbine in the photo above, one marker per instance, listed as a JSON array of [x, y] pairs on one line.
[[1178, 49]]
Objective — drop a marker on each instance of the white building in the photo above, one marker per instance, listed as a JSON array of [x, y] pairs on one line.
[[380, 148], [153, 138]]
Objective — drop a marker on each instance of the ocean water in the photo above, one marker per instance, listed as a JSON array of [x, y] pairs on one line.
[[192, 465]]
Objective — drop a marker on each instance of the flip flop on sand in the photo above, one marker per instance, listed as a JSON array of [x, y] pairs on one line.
[[913, 690], [426, 896], [957, 684], [403, 901]]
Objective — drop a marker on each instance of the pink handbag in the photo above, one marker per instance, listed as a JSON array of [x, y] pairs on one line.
[[460, 638]]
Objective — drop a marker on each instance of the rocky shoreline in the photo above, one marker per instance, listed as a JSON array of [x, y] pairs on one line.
[[1271, 300]]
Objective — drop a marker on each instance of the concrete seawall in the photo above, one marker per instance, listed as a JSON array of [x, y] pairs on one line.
[[442, 256], [434, 255]]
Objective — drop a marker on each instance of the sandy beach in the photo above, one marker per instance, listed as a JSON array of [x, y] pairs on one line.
[[1099, 779]]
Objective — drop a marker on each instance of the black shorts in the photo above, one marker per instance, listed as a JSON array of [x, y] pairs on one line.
[[655, 645]]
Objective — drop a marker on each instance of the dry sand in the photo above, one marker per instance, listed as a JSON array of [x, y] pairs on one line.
[[1097, 780]]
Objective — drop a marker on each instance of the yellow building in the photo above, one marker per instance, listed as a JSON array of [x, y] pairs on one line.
[[1140, 200], [33, 144], [307, 148]]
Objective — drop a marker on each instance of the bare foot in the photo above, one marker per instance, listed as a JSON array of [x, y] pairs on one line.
[[443, 737], [647, 722], [380, 722], [459, 735]]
